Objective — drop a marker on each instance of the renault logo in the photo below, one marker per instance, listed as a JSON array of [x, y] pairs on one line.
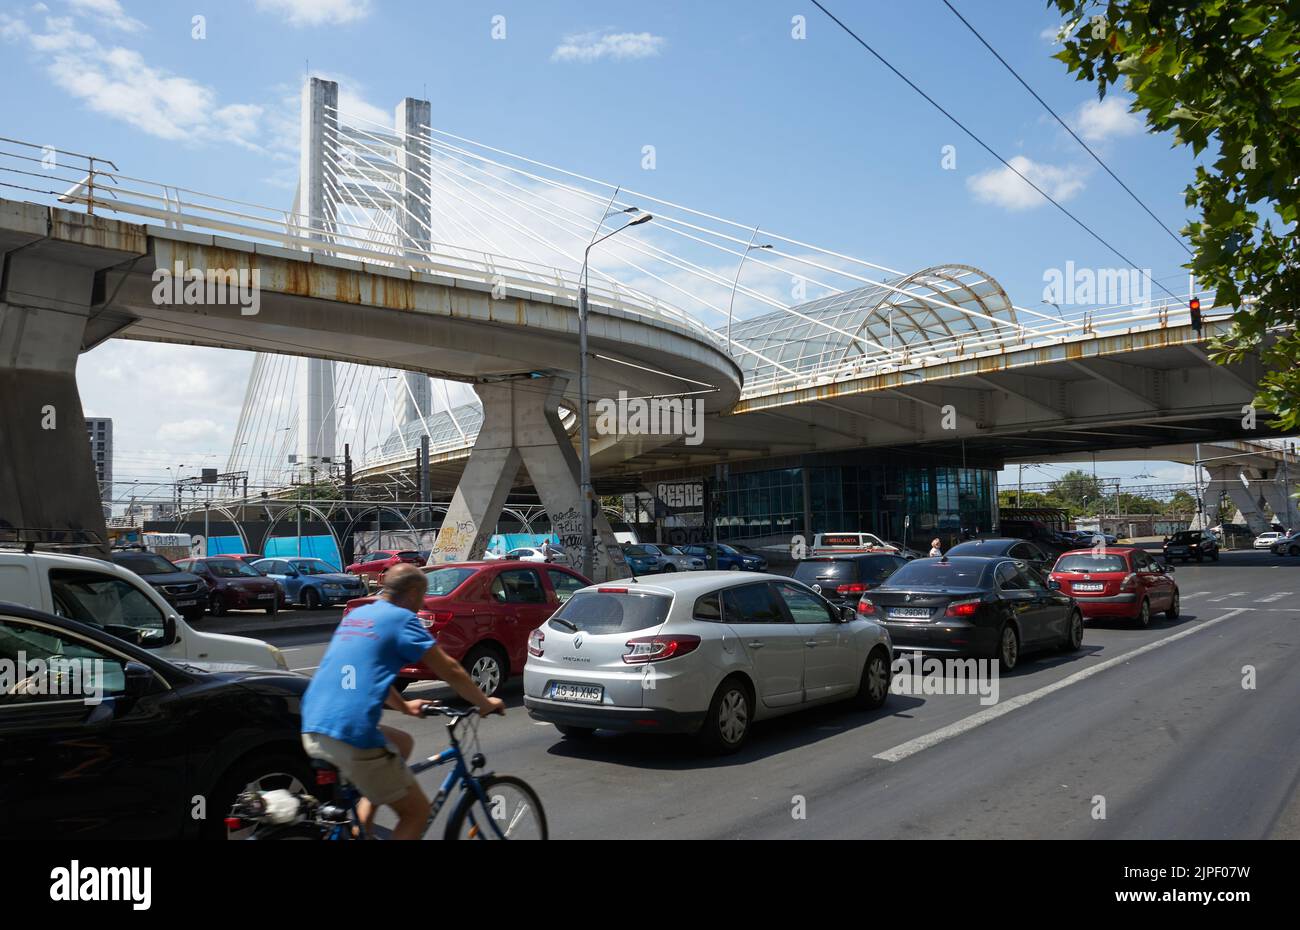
[[577, 641]]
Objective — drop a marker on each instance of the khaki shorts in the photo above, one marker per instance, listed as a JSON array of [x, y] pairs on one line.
[[379, 774]]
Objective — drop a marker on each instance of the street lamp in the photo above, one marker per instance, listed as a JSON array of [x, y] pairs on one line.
[[740, 267], [584, 440]]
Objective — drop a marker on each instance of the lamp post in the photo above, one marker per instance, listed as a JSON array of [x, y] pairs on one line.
[[584, 438], [735, 283]]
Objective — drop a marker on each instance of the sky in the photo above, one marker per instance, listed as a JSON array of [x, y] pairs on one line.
[[762, 112]]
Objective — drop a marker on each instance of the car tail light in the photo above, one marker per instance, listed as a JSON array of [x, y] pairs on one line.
[[866, 607], [856, 587], [963, 608], [535, 640], [429, 617], [234, 823], [611, 590], [646, 649], [1129, 583]]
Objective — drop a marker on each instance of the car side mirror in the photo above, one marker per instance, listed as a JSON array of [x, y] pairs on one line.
[[138, 680], [169, 630], [848, 614]]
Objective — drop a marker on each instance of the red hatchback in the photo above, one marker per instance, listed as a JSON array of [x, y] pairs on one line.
[[1117, 582], [373, 565], [481, 613]]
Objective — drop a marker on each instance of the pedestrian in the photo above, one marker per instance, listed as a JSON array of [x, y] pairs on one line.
[[935, 551], [548, 551]]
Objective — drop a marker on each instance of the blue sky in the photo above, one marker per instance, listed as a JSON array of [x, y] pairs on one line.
[[810, 137]]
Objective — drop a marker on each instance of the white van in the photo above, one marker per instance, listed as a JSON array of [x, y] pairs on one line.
[[845, 543], [121, 603]]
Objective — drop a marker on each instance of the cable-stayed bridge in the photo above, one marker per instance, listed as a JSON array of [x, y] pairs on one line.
[[411, 252]]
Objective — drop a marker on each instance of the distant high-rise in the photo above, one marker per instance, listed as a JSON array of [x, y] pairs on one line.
[[99, 430]]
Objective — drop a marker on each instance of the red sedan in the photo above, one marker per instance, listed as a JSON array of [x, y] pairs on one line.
[[1117, 582], [235, 585], [373, 565], [481, 614]]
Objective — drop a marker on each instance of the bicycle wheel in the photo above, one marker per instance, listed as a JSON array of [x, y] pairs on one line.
[[512, 807]]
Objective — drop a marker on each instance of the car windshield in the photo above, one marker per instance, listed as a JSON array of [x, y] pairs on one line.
[[978, 547], [232, 568], [638, 552], [145, 563], [1091, 562], [409, 554], [722, 547], [1187, 537], [312, 567], [928, 573], [442, 581], [612, 610], [811, 571], [673, 550]]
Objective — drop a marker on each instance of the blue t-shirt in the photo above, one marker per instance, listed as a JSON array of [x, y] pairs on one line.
[[346, 696]]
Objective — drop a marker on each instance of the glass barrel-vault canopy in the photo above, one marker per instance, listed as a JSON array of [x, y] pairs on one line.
[[930, 315], [442, 431]]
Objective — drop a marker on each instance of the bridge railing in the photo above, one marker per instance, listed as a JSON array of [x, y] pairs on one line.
[[100, 187]]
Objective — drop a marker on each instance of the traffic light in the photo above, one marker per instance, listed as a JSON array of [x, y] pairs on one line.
[[1194, 305]]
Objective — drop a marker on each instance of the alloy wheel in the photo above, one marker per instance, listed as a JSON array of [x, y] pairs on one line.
[[733, 716]]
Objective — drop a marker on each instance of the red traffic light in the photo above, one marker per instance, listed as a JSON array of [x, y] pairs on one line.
[[1194, 304]]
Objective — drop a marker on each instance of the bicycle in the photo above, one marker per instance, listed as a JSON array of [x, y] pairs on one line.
[[484, 810]]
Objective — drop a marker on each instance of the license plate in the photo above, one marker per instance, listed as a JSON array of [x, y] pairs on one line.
[[265, 597], [909, 613], [1084, 586], [186, 603], [583, 694]]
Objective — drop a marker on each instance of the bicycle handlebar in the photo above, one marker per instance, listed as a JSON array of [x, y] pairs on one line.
[[434, 709]]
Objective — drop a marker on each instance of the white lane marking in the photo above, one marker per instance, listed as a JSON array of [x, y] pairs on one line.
[[1224, 597], [1273, 597], [979, 718], [1194, 594]]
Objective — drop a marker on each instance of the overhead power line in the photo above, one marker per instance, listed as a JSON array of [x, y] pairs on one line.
[[984, 145], [1087, 148]]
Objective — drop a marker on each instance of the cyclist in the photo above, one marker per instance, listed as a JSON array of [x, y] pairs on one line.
[[347, 695]]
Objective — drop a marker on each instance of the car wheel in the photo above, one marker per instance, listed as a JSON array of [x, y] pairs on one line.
[[310, 599], [1172, 612], [726, 724], [571, 732], [257, 773], [733, 567], [1008, 648], [1073, 632], [873, 687], [669, 568], [1144, 614], [487, 667], [217, 606], [273, 610]]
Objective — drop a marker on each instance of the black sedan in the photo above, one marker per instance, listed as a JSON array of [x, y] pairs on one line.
[[102, 740], [184, 591], [988, 608], [843, 579], [1020, 549], [1192, 544]]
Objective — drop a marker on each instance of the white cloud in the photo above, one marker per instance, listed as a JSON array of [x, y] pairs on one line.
[[119, 83], [1098, 120], [619, 46], [191, 430], [317, 12], [109, 12], [1004, 188]]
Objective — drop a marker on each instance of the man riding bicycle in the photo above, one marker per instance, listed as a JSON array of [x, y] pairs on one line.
[[343, 704]]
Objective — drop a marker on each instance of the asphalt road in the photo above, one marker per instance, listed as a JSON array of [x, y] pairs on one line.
[[1152, 728]]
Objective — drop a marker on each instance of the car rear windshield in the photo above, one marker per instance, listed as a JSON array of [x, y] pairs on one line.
[[1087, 562], [814, 570], [408, 554], [612, 611], [442, 581], [957, 573], [145, 563], [638, 552]]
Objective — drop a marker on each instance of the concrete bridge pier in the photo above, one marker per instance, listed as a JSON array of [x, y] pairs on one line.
[[1277, 494], [1246, 499], [522, 426], [52, 308]]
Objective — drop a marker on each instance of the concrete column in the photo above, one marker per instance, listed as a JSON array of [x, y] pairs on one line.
[[1278, 497], [48, 488], [410, 120], [521, 425], [316, 172], [1245, 498]]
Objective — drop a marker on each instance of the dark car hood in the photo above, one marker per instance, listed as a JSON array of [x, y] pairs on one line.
[[162, 578]]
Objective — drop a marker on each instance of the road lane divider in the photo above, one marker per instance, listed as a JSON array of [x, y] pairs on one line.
[[989, 714]]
